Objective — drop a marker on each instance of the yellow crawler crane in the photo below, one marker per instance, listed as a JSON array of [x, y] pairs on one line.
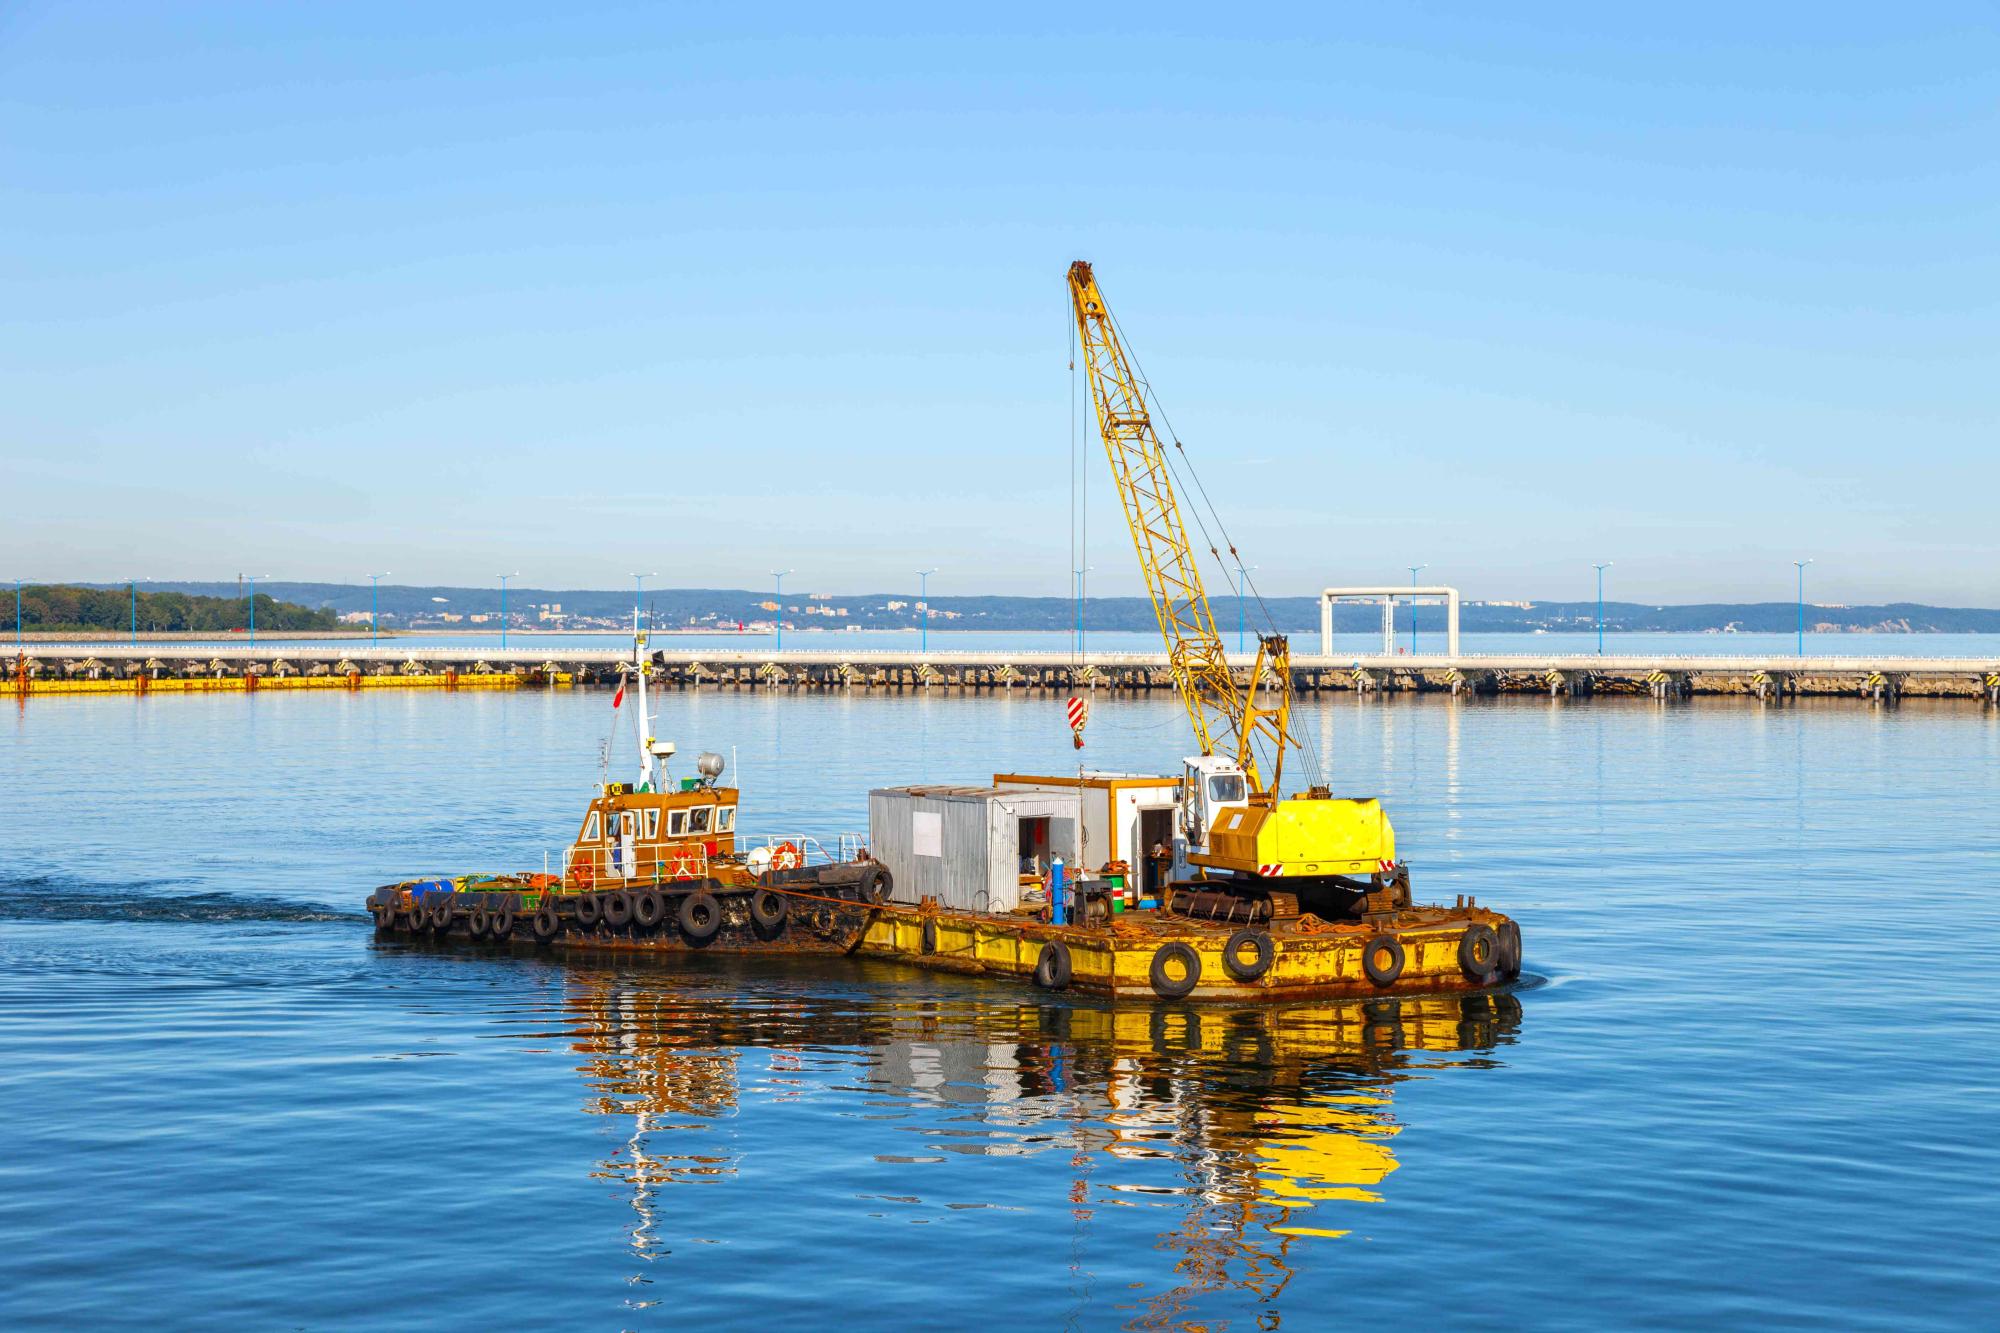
[[1238, 827]]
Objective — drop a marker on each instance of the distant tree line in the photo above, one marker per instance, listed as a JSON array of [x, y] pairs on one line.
[[65, 608]]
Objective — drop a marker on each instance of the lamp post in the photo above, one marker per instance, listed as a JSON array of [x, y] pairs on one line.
[[1414, 571], [253, 603], [1242, 577], [503, 605], [924, 607], [1076, 589], [639, 593], [375, 607], [1802, 604], [1600, 605], [135, 613], [779, 575]]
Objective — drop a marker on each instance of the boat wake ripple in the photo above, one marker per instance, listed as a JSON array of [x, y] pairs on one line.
[[52, 898]]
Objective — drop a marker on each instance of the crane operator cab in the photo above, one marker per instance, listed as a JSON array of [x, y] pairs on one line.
[[1210, 786]]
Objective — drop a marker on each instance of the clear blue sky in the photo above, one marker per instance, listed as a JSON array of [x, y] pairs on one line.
[[447, 290]]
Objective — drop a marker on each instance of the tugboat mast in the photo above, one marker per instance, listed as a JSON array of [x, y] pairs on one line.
[[645, 728]]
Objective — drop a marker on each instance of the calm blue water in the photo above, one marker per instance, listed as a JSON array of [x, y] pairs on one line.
[[1753, 1084]]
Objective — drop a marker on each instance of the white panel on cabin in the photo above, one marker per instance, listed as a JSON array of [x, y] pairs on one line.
[[927, 833]]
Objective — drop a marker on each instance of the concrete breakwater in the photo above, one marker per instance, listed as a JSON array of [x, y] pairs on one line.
[[47, 668]]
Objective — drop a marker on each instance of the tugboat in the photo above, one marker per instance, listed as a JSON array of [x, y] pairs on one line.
[[657, 862]]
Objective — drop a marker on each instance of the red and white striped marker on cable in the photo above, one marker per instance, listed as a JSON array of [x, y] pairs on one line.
[[1078, 713]]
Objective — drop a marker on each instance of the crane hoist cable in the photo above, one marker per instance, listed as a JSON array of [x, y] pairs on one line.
[[1254, 717]]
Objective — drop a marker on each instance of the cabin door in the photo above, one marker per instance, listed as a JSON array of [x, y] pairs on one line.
[[626, 865], [1153, 858]]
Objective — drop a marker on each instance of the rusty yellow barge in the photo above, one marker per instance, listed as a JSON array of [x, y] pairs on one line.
[[976, 880]]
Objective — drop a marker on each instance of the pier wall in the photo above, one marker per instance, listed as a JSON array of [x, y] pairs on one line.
[[70, 668]]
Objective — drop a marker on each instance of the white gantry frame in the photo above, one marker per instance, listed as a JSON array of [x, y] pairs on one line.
[[1388, 596]]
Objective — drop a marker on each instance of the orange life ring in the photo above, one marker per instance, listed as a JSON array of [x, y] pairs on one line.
[[686, 868], [784, 857]]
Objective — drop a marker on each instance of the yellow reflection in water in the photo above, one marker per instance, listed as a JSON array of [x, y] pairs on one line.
[[1255, 1127]]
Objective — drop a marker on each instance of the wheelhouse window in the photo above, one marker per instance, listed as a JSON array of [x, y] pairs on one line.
[[677, 823], [652, 825], [1225, 787], [590, 828], [725, 818], [698, 818]]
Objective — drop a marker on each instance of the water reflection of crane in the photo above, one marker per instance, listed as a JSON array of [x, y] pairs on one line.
[[1277, 1123]]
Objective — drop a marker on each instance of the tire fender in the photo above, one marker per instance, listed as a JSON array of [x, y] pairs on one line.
[[1161, 974], [768, 909], [1479, 952], [1263, 953], [1382, 958], [1052, 966], [700, 916]]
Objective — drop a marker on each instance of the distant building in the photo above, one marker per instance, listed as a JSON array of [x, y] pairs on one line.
[[355, 618]]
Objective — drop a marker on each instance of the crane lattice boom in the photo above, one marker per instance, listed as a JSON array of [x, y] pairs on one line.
[[1216, 707]]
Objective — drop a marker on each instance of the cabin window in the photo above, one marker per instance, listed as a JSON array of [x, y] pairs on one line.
[[590, 828], [677, 823], [698, 818], [1225, 787], [652, 825], [725, 818], [626, 824]]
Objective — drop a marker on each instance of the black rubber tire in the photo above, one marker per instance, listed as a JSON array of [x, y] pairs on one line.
[[1510, 950], [478, 921], [768, 910], [927, 938], [385, 916], [1260, 942], [546, 924], [440, 915], [1164, 985], [823, 919], [700, 916], [874, 886], [617, 909], [589, 911], [1052, 967], [1383, 959], [499, 924], [649, 909], [1479, 952]]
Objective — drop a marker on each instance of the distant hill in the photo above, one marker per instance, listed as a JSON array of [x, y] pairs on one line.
[[404, 606], [81, 608]]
